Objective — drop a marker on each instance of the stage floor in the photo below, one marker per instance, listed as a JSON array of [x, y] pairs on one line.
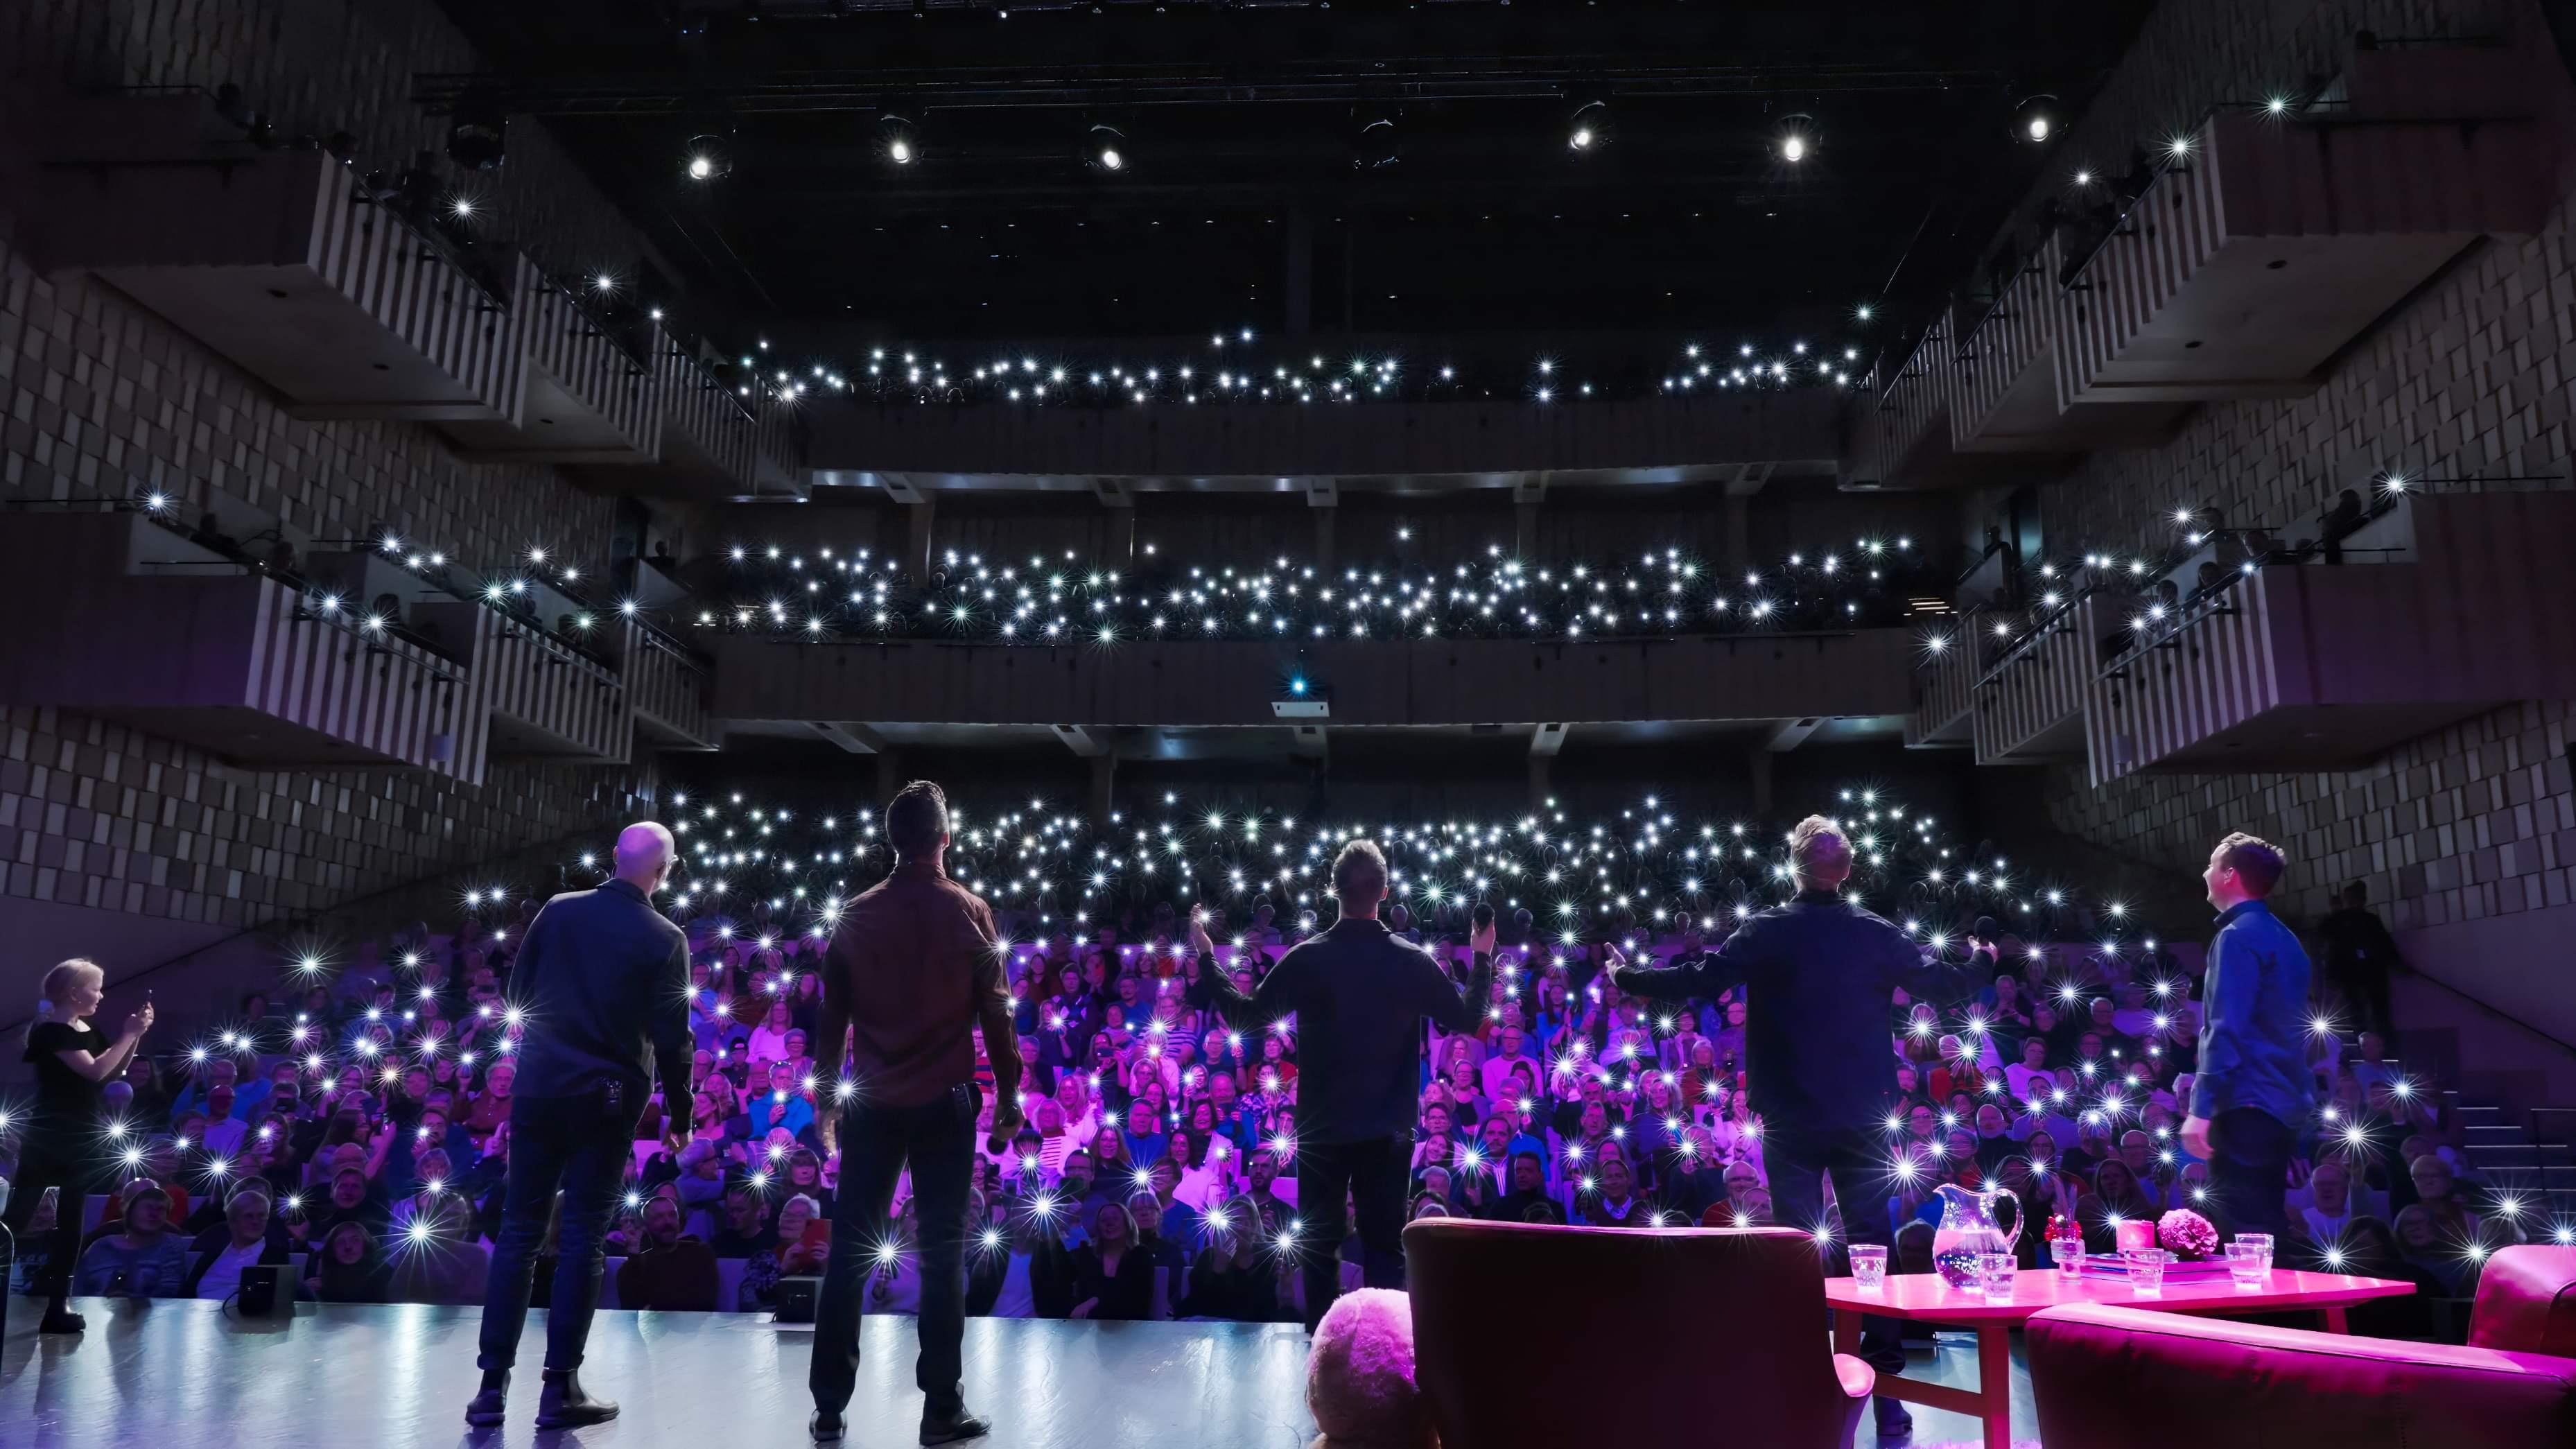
[[177, 1374]]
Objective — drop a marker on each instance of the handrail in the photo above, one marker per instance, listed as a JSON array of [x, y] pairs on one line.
[[2492, 1009], [708, 381], [607, 329], [2039, 629]]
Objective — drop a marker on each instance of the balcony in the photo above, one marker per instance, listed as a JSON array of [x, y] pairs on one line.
[[710, 436], [540, 694], [2266, 243], [587, 398], [115, 615], [1944, 688], [667, 688], [279, 261], [2447, 605], [1855, 674], [2030, 700], [1900, 438]]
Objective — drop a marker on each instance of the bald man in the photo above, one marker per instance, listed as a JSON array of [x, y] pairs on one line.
[[603, 982]]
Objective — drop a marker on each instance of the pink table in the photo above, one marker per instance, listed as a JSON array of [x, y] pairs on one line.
[[1923, 1297]]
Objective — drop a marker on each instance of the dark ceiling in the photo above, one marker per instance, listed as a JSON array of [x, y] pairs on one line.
[[1242, 203]]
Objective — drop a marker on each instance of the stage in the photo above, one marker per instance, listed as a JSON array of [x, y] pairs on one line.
[[173, 1374]]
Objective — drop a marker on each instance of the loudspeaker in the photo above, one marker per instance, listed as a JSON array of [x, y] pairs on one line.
[[264, 1293], [794, 1299]]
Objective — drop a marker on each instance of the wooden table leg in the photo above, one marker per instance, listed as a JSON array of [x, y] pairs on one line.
[[1994, 1383], [2335, 1320], [1846, 1331]]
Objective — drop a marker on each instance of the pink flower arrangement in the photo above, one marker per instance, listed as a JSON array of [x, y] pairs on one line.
[[2186, 1234]]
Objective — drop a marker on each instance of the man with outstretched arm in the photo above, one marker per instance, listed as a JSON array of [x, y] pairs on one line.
[[914, 968], [1359, 993], [1817, 974]]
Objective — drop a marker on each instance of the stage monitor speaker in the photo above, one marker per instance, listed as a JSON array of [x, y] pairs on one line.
[[795, 1298], [264, 1292]]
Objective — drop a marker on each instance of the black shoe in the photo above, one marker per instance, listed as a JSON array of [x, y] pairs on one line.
[[1893, 1422], [825, 1426], [485, 1411], [59, 1319], [952, 1426], [563, 1405]]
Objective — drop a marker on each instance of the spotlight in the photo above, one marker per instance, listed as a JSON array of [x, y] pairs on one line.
[[898, 140], [1590, 128], [1106, 149], [704, 159], [475, 133], [2034, 121], [1375, 143], [1797, 138]]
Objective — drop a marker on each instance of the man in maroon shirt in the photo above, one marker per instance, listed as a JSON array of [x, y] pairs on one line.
[[914, 968]]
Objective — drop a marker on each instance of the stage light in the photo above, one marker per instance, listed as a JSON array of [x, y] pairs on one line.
[[1590, 128], [475, 135], [1376, 142], [1106, 149], [705, 159], [898, 140], [1798, 138], [2034, 121]]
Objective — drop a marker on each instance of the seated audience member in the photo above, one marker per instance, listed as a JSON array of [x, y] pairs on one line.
[[2328, 1218], [667, 1269], [747, 1229], [1112, 1279], [143, 1259], [803, 1240], [1027, 1273], [436, 1258], [1231, 1279], [1614, 1204], [250, 1235], [350, 1267]]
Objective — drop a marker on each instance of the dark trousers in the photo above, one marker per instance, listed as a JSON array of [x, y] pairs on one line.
[[2249, 1169], [938, 1139], [44, 1163], [1858, 1163], [1375, 1175], [580, 1147]]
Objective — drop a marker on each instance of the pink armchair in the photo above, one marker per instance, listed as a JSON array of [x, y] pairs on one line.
[[1489, 1295], [2114, 1378]]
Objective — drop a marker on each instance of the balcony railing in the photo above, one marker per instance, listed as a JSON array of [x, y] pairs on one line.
[[587, 399], [668, 689]]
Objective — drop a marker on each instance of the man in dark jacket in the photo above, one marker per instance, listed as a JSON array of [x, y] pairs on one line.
[[1360, 994], [914, 968], [250, 1235], [601, 992], [1818, 974], [2359, 955]]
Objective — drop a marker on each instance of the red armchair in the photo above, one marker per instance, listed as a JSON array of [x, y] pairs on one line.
[[2114, 1378], [1696, 1317]]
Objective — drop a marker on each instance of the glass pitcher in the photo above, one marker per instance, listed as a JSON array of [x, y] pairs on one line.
[[1967, 1229]]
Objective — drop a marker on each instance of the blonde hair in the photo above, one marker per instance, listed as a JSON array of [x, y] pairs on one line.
[[58, 984]]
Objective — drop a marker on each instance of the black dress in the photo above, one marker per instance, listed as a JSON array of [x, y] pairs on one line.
[[57, 1149]]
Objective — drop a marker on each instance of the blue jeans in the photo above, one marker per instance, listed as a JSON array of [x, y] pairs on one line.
[[938, 1139], [578, 1146]]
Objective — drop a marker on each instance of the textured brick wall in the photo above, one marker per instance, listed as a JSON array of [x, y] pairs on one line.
[[2469, 378], [100, 399]]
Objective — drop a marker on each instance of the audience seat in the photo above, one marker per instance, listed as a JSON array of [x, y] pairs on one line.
[[2119, 1378], [1733, 1318]]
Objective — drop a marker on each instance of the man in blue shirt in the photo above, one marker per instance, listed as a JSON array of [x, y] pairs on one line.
[[2254, 1088]]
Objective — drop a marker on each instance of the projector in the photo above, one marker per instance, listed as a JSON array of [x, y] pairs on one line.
[[1308, 708]]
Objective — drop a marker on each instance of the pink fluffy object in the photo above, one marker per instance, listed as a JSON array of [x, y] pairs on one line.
[[1359, 1375]]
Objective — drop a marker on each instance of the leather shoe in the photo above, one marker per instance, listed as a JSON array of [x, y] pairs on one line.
[[59, 1319], [563, 1405], [952, 1426], [1893, 1422], [825, 1426], [489, 1402]]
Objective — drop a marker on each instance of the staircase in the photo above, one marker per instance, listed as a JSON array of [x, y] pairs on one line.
[[2529, 1156]]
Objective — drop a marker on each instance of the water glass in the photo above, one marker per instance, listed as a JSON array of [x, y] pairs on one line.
[[2068, 1255], [1868, 1267], [2262, 1241], [1995, 1273], [2248, 1264], [2146, 1269]]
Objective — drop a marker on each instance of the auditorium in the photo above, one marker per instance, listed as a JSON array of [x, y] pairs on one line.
[[1256, 724]]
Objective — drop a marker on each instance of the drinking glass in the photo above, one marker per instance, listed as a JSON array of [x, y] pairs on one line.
[[1868, 1267], [1995, 1273], [2262, 1241], [2146, 1269], [2247, 1264], [2068, 1255]]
